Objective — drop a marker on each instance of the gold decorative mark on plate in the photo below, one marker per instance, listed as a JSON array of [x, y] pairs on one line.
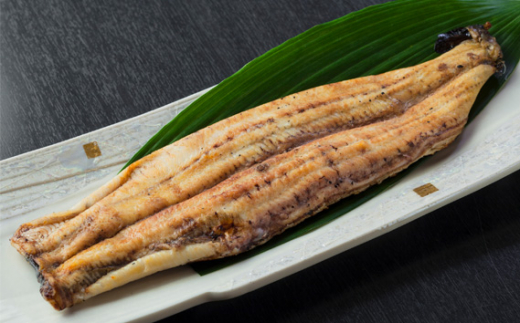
[[92, 150], [425, 189]]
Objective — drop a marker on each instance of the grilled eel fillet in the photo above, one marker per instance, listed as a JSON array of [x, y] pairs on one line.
[[257, 203], [209, 156]]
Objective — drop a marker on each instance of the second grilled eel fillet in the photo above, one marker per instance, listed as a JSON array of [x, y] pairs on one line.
[[256, 204], [205, 158]]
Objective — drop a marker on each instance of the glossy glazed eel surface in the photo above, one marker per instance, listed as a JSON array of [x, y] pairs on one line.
[[232, 186]]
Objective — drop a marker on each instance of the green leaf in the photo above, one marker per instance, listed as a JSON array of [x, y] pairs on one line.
[[371, 41]]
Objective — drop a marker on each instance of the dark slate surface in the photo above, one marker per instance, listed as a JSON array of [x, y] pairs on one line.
[[70, 67]]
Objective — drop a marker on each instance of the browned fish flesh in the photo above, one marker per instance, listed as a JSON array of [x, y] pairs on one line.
[[397, 123], [203, 159]]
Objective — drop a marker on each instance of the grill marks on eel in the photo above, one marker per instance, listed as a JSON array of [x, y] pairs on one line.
[[250, 207], [209, 156]]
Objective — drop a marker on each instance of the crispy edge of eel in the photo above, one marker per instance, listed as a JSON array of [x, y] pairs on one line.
[[254, 205], [205, 158]]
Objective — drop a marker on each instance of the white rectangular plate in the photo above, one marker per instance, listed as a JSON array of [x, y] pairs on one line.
[[54, 178]]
